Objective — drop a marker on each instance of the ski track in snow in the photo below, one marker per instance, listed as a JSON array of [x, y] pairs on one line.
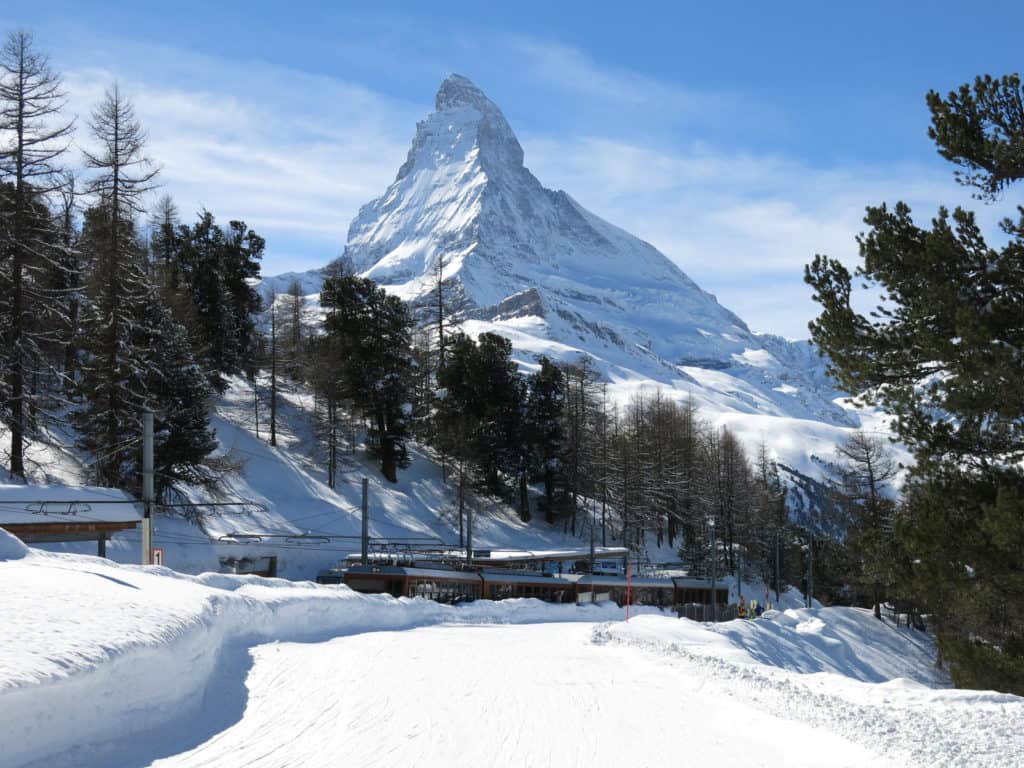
[[531, 695], [912, 730]]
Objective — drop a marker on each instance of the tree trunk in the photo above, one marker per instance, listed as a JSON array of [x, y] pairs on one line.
[[273, 374]]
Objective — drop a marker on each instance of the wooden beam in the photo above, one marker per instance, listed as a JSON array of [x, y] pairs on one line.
[[42, 532]]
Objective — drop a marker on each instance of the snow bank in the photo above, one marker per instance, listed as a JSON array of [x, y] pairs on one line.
[[11, 547], [842, 669], [93, 652]]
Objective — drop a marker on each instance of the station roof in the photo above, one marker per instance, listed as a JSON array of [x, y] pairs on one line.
[[62, 513], [500, 557]]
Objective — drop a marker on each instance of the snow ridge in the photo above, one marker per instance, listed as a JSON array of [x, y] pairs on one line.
[[907, 722]]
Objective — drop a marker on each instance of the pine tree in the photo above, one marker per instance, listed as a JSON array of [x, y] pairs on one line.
[[114, 368], [371, 334], [31, 99], [867, 467], [217, 266], [177, 391], [545, 433], [942, 353]]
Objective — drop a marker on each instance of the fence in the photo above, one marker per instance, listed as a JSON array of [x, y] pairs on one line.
[[705, 612]]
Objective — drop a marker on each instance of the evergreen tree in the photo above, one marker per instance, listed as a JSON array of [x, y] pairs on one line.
[[113, 368], [545, 430], [370, 332], [943, 354], [178, 392], [165, 240], [217, 266]]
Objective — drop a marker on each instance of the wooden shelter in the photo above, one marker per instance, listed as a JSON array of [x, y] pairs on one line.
[[39, 514]]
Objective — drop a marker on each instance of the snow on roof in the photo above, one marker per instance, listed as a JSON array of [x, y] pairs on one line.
[[35, 504], [503, 574], [482, 556], [514, 555]]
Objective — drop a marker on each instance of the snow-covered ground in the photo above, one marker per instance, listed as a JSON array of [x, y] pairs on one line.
[[114, 665]]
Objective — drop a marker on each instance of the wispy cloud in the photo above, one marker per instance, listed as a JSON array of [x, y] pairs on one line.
[[742, 225], [295, 156]]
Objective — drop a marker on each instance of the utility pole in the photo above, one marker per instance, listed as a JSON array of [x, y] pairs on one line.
[[593, 522], [365, 539], [778, 570], [147, 487], [810, 571], [714, 570], [469, 536], [739, 573]]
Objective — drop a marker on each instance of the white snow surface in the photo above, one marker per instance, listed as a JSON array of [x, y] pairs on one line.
[[34, 504], [109, 665], [535, 266]]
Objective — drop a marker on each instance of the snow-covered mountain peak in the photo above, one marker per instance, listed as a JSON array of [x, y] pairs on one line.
[[466, 128], [533, 264], [459, 91]]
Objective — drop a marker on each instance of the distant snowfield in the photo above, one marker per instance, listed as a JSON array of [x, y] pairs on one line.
[[115, 666]]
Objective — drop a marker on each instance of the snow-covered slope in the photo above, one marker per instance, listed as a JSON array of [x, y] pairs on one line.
[[105, 665], [289, 513], [534, 265]]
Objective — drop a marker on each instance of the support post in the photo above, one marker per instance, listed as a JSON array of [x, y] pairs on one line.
[[629, 586], [469, 536], [810, 571], [101, 545], [714, 573], [365, 538], [593, 522], [147, 487], [778, 570], [739, 573]]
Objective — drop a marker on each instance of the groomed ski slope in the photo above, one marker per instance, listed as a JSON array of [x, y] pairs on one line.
[[118, 666]]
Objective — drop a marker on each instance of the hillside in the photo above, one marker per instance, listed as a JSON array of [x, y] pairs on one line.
[[289, 512]]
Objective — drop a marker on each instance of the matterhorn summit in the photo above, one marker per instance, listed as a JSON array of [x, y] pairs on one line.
[[534, 265]]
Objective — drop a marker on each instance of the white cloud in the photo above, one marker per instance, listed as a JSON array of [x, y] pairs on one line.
[[741, 225], [295, 155]]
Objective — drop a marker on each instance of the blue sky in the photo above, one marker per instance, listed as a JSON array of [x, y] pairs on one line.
[[739, 139]]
